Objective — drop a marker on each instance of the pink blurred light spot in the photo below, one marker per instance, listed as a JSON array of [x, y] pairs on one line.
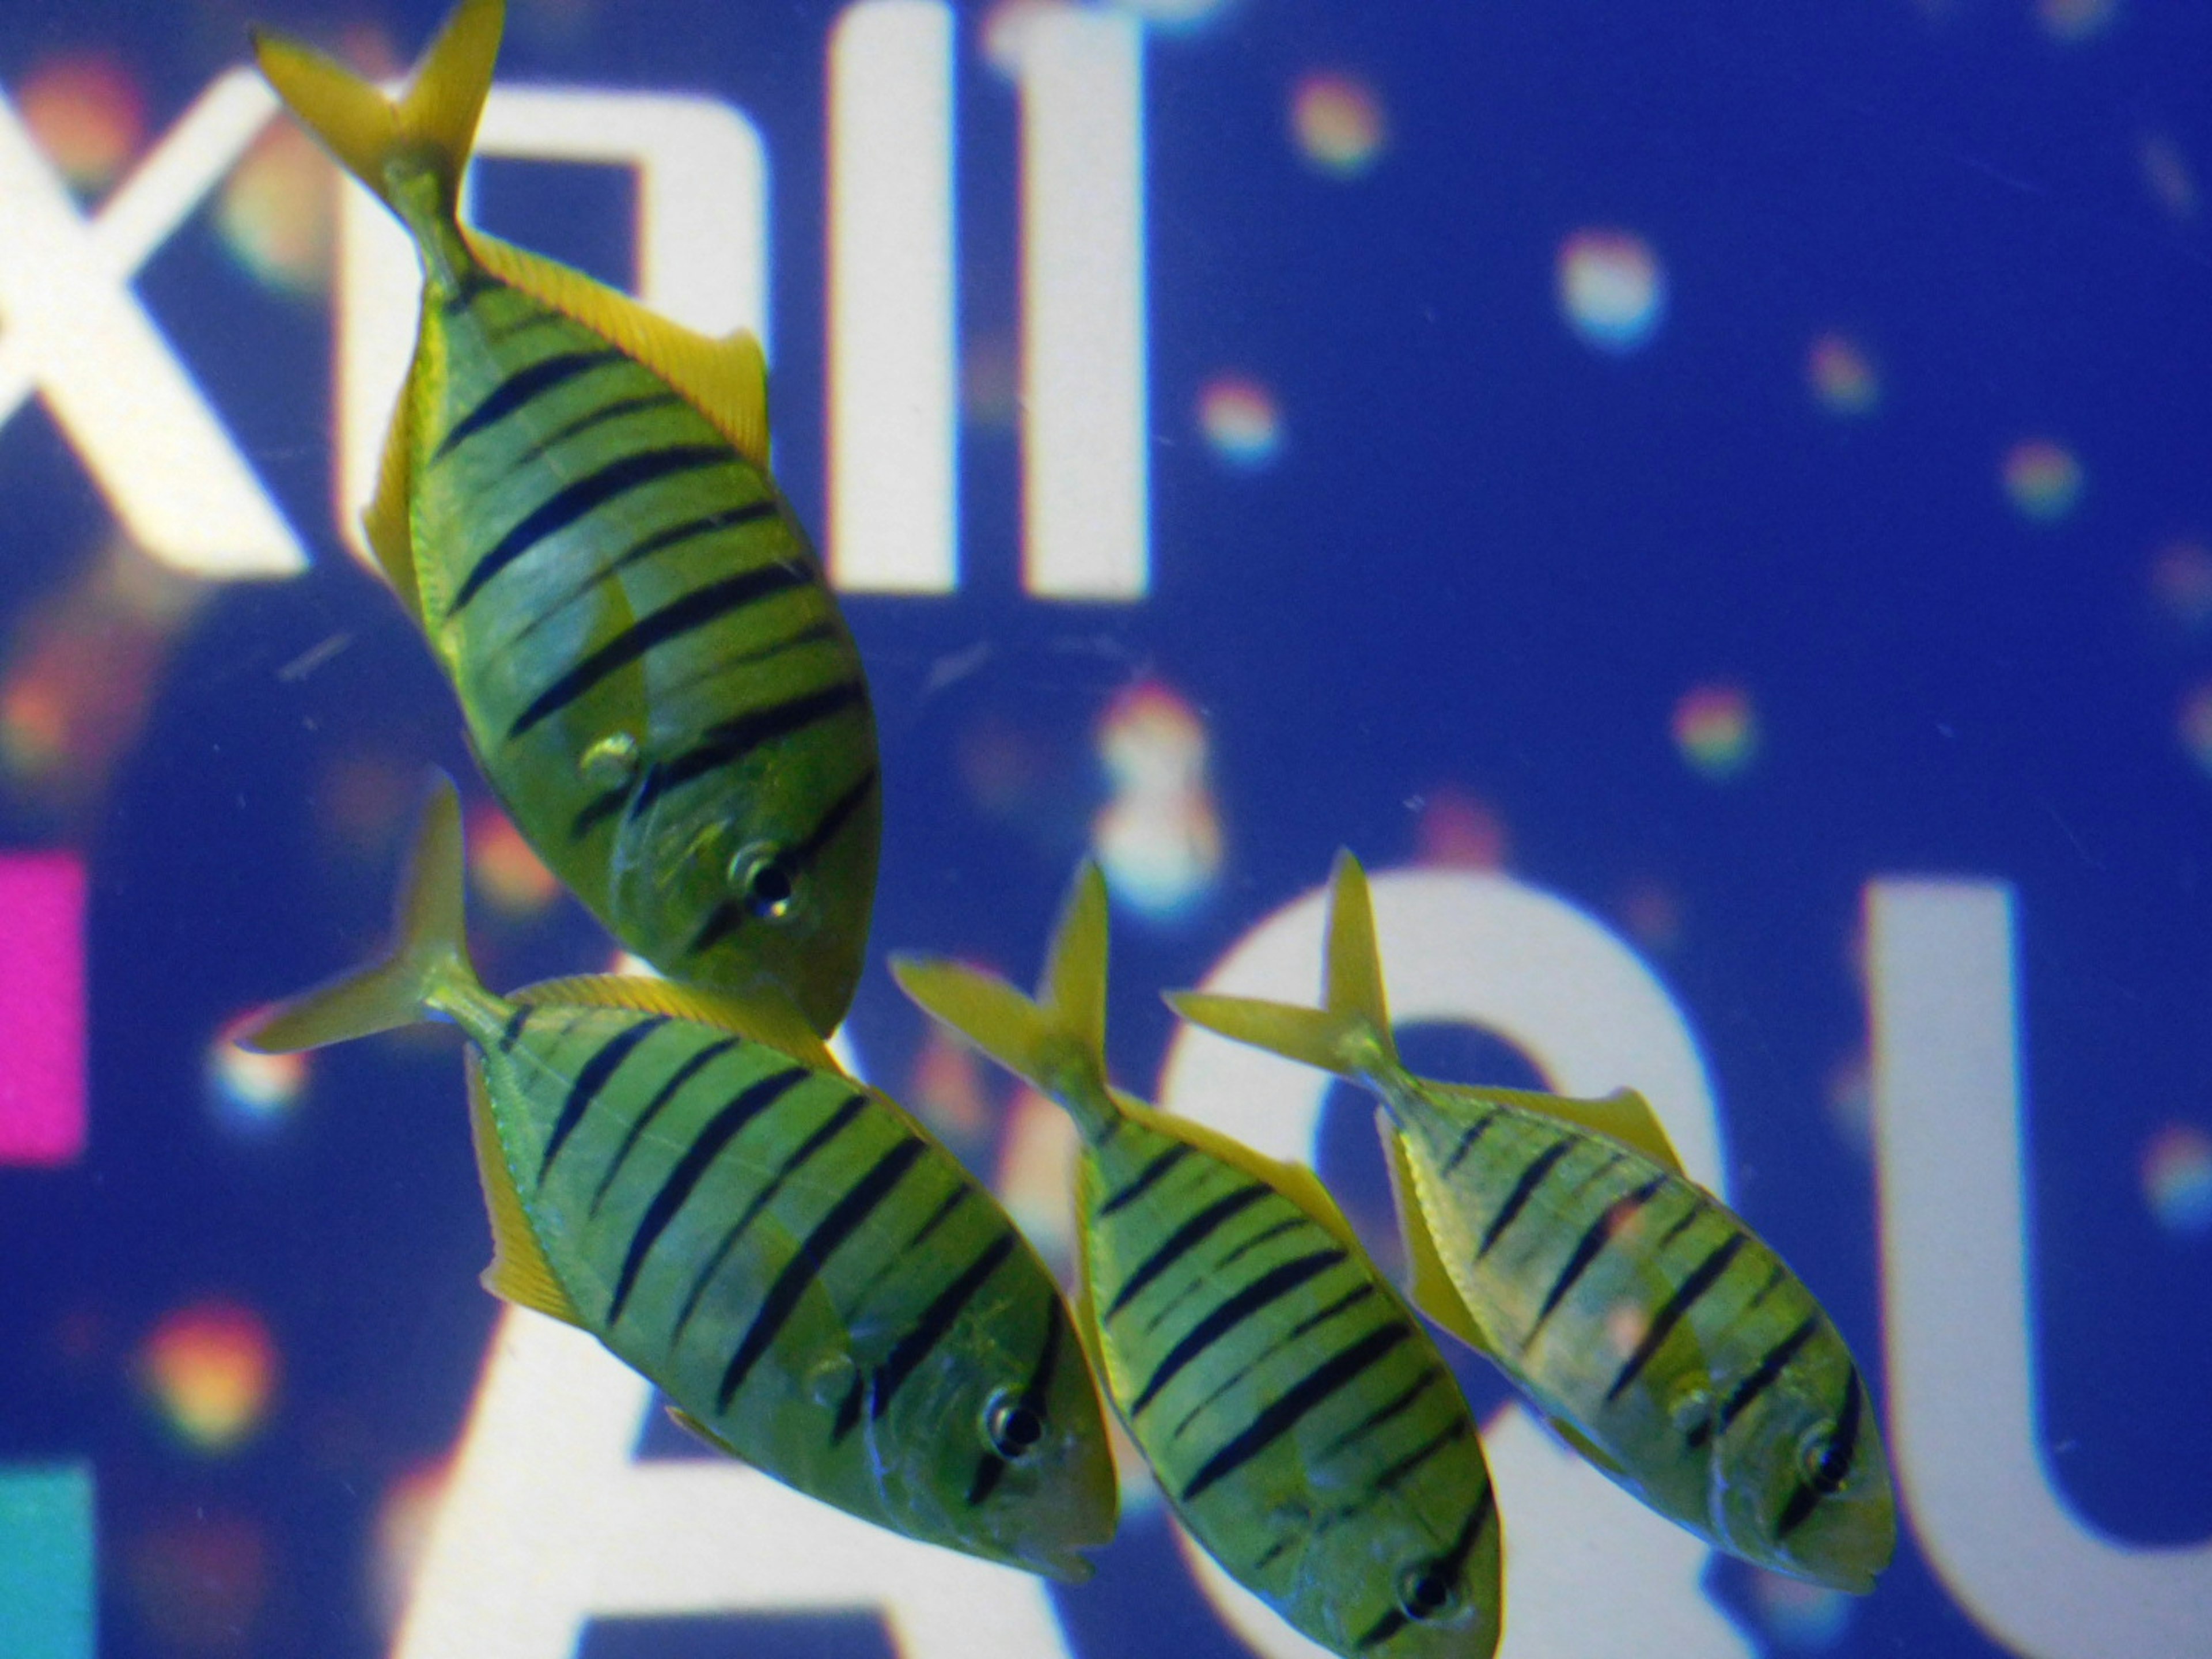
[[42, 1070]]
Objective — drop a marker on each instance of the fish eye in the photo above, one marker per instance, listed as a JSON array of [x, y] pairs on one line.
[[764, 881], [1012, 1427], [1424, 1592], [1814, 1448]]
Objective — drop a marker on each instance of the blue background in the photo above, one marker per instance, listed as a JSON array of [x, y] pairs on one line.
[[1488, 558]]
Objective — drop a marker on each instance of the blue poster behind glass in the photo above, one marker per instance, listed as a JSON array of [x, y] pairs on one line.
[[1710, 507]]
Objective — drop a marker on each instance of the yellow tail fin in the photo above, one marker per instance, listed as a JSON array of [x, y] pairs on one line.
[[381, 142], [428, 952], [1058, 1043], [1352, 1036]]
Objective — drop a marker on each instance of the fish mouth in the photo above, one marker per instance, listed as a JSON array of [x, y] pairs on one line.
[[1065, 1565]]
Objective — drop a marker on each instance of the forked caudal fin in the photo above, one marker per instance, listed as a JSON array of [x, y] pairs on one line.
[[383, 142], [429, 957], [1057, 1043], [1352, 1035]]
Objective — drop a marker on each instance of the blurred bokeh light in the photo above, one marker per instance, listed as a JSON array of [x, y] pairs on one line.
[[87, 113], [2042, 478], [1239, 421], [1337, 122], [1717, 729], [2176, 1179], [210, 1369], [1611, 290], [1159, 836], [251, 1091], [1843, 379]]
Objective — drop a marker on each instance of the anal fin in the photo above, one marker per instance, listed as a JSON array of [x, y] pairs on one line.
[[1427, 1281], [386, 522], [698, 1431], [520, 1271]]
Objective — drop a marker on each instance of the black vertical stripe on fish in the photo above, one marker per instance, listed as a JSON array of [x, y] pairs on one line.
[[1401, 1402], [1761, 1378], [1146, 1177], [592, 1077], [1682, 1224], [991, 1467], [961, 1192], [730, 914], [1599, 1234], [728, 742], [1448, 1565], [732, 740], [522, 322], [1835, 1463], [525, 386], [899, 1261], [1231, 1311], [1775, 1276], [742, 1109], [910, 1350], [828, 1130], [1284, 1225], [510, 1033], [701, 607], [613, 409], [1450, 1435], [554, 514], [667, 1092], [1186, 1238], [675, 535], [844, 1218], [1531, 1178], [1466, 1143], [471, 284], [1284, 1412], [1701, 1279], [1313, 1321]]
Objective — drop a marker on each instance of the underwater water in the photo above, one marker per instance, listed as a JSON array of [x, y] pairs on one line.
[[1711, 502]]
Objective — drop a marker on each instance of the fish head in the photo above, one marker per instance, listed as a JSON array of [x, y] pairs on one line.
[[995, 1444], [1801, 1483], [758, 873], [1389, 1582]]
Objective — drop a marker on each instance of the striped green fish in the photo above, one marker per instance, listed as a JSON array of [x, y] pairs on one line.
[[575, 505], [1654, 1330], [1300, 1420], [819, 1287]]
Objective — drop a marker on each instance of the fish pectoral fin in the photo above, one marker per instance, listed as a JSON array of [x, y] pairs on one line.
[[520, 1271], [726, 379], [386, 522], [1623, 1115], [1427, 1283], [1591, 1452], [699, 1430], [768, 1018]]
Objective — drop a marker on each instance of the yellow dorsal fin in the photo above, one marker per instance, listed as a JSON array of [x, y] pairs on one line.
[[520, 1271], [764, 1017], [1294, 1180], [726, 379], [699, 1430], [391, 537], [1624, 1116], [1426, 1282]]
